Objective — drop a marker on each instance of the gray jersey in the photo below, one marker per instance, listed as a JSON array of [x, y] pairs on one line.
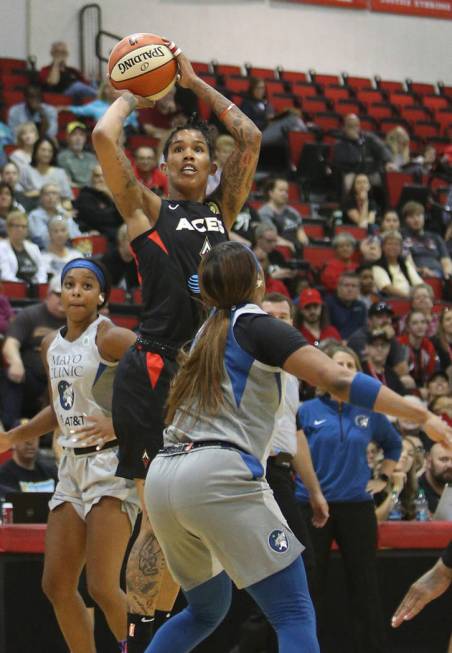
[[285, 437], [253, 394], [81, 381]]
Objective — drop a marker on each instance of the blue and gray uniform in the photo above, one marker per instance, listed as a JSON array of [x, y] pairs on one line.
[[210, 505]]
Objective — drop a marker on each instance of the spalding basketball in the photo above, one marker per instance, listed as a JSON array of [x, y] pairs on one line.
[[144, 65]]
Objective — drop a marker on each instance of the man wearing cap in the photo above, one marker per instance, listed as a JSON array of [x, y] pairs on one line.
[[76, 161], [314, 324], [24, 381], [377, 352], [380, 318]]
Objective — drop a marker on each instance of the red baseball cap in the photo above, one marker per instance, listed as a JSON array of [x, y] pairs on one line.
[[310, 296]]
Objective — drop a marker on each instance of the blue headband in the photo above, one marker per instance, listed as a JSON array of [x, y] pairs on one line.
[[88, 265]]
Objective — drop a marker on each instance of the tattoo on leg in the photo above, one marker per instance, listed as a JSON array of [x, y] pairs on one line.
[[144, 575]]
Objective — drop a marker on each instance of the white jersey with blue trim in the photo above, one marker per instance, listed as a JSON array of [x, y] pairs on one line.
[[253, 396], [81, 381]]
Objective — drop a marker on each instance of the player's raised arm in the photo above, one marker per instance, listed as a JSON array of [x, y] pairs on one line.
[[138, 206], [238, 172]]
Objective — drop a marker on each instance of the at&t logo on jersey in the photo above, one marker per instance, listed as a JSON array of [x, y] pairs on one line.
[[66, 394], [278, 541], [193, 284]]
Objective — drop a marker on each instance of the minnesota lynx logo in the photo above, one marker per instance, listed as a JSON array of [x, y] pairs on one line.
[[66, 395], [278, 541]]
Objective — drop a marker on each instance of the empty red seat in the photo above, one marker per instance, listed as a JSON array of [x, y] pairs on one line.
[[380, 110], [415, 113], [314, 230], [358, 82], [226, 69], [281, 102], [14, 289], [12, 97], [292, 76], [336, 92], [369, 96], [237, 84], [358, 232], [395, 181], [304, 89], [297, 141], [445, 90], [262, 73], [126, 321], [200, 67], [387, 124], [324, 79], [401, 99], [435, 102], [387, 85], [294, 193], [444, 117], [314, 104], [400, 306], [118, 296], [57, 99], [436, 285], [328, 120], [12, 65], [426, 129], [344, 107], [274, 87], [368, 123], [420, 88], [317, 256]]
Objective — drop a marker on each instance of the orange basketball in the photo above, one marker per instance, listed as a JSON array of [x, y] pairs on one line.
[[144, 65]]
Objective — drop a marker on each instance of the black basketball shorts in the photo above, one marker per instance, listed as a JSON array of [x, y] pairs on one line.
[[140, 391]]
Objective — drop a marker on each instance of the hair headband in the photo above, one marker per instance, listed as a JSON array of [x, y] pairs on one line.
[[88, 265]]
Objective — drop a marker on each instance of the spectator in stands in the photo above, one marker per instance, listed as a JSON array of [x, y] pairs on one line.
[[395, 274], [97, 108], [347, 313], [390, 222], [224, 145], [77, 162], [442, 406], [277, 211], [120, 262], [58, 77], [24, 385], [272, 284], [344, 245], [244, 225], [164, 116], [379, 318], [437, 386], [359, 152], [338, 434], [28, 470], [422, 299], [7, 205], [6, 313], [367, 290], [6, 138], [49, 207], [20, 259], [376, 360], [96, 209], [313, 320], [442, 341], [370, 249], [428, 249], [34, 110], [403, 486], [398, 142], [43, 170], [10, 175], [147, 171], [359, 207], [438, 472], [421, 352], [26, 136], [57, 252], [267, 239]]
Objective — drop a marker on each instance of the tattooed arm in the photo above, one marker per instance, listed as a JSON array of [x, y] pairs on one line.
[[238, 172], [138, 206]]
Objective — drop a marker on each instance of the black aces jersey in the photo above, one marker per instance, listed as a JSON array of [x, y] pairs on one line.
[[167, 257]]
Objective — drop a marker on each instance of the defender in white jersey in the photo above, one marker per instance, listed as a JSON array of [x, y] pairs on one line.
[[92, 511]]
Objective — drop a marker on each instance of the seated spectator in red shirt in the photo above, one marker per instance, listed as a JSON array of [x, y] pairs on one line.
[[147, 171], [313, 319], [359, 208], [344, 247], [271, 284], [421, 352], [58, 77]]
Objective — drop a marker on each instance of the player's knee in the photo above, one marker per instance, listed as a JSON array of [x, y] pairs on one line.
[[56, 588], [103, 593]]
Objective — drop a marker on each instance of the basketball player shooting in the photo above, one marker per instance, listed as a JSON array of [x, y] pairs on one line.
[[168, 238]]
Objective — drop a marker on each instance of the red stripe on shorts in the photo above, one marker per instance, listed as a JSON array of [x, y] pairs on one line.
[[154, 364]]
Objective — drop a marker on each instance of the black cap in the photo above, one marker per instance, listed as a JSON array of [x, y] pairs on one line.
[[378, 334], [380, 307]]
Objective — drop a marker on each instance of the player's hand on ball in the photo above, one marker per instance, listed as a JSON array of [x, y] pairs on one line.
[[98, 431], [186, 72]]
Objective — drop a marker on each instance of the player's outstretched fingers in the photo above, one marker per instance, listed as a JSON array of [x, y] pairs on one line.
[[411, 605], [172, 47]]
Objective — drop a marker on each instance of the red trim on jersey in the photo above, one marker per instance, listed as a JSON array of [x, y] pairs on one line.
[[135, 257], [154, 364], [154, 236]]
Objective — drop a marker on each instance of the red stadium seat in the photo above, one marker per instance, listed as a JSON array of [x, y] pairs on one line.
[[369, 96], [292, 76], [14, 82], [435, 102], [294, 192], [43, 289], [344, 107], [436, 284], [237, 84], [117, 296], [297, 141], [399, 306], [327, 120], [90, 245], [395, 181], [304, 89], [262, 73], [368, 123], [200, 67], [380, 110], [281, 102], [57, 99], [226, 69], [137, 297], [444, 117], [401, 98], [317, 256], [358, 232], [315, 104], [445, 90], [325, 79], [358, 83], [14, 289], [126, 321], [387, 124], [314, 230], [415, 113], [425, 129], [12, 97], [12, 65], [274, 87], [336, 92], [420, 88], [388, 85]]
